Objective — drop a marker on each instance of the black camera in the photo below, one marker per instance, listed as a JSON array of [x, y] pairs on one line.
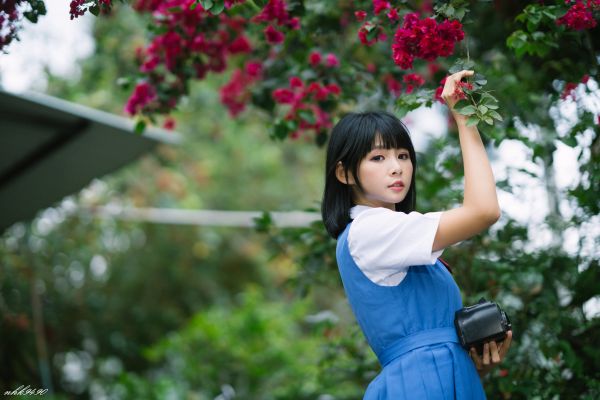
[[481, 323]]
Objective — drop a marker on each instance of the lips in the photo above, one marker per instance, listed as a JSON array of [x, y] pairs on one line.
[[397, 184]]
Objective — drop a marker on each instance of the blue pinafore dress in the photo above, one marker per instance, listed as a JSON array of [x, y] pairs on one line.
[[410, 327]]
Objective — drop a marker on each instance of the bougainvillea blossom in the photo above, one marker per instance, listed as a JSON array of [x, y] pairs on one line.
[[142, 96], [304, 99], [365, 31], [412, 81], [579, 17], [425, 39]]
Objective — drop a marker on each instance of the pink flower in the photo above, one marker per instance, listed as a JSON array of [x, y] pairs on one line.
[[240, 45], [412, 81], [314, 58], [365, 31], [393, 15], [332, 61], [585, 79], [283, 96], [425, 39], [360, 15], [169, 124], [569, 91], [254, 69], [380, 5], [296, 82], [333, 88], [143, 94], [393, 86], [273, 36], [579, 17]]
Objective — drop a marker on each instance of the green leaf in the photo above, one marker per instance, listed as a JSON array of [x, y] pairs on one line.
[[264, 222], [468, 110], [482, 109], [139, 127], [473, 120], [260, 3], [495, 115], [95, 10], [488, 120]]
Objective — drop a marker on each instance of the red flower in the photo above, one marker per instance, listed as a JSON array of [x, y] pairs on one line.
[[413, 80], [569, 91], [169, 124], [425, 39], [503, 373], [283, 96], [254, 69], [438, 92], [296, 82], [380, 5], [143, 94], [393, 86], [393, 15], [585, 79], [314, 58], [360, 15], [334, 89], [579, 16], [332, 61], [364, 31], [273, 36], [240, 45]]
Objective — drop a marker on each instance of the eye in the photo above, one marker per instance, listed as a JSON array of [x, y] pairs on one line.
[[403, 156], [377, 158]]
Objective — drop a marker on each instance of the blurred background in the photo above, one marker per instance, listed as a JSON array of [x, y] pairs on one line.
[[97, 306]]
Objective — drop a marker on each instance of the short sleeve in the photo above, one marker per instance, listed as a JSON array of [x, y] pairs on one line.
[[384, 243]]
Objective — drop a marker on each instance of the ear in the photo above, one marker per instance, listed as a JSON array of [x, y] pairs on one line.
[[340, 174]]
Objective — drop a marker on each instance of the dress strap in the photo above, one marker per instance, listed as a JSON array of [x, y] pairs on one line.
[[416, 340]]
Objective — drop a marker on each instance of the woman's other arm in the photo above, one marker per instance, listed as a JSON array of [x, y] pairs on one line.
[[480, 208]]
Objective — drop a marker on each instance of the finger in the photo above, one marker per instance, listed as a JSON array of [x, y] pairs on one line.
[[486, 354], [475, 358], [494, 352], [505, 344], [461, 74]]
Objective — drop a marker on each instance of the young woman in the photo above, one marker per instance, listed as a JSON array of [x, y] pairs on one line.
[[403, 297]]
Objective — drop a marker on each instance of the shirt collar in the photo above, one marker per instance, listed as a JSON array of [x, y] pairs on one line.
[[357, 210]]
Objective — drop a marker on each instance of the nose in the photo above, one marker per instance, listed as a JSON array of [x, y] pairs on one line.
[[396, 168]]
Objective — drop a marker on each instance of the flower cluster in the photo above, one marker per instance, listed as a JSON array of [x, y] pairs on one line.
[[236, 93], [77, 8], [11, 16], [275, 12], [369, 34], [579, 17], [193, 43], [411, 81], [425, 39], [315, 59], [304, 102], [143, 95]]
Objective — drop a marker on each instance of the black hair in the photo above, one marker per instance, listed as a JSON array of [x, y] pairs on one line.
[[351, 139]]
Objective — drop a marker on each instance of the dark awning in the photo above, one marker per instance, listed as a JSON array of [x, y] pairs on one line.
[[50, 148]]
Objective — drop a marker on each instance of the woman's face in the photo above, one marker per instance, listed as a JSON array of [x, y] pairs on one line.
[[385, 176]]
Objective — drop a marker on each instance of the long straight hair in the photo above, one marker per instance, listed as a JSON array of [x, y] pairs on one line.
[[351, 139]]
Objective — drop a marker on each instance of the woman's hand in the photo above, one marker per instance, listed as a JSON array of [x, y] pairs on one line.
[[493, 354], [452, 89]]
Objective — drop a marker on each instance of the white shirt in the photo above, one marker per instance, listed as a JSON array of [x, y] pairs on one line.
[[384, 243]]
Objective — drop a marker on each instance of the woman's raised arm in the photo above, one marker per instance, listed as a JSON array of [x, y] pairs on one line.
[[480, 208]]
